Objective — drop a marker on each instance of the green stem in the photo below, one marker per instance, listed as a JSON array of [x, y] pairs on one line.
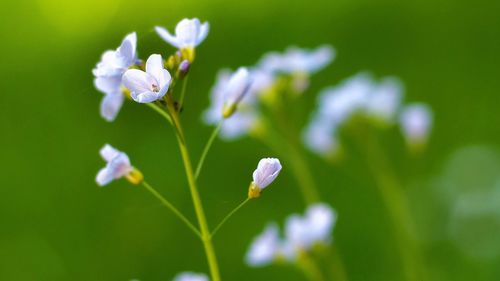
[[207, 148], [309, 267], [172, 208], [337, 266], [183, 92], [228, 216], [160, 111], [303, 175], [397, 205], [200, 214]]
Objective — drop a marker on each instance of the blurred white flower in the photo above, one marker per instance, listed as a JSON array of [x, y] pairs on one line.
[[150, 85], [118, 165], [266, 172], [265, 247], [297, 60], [243, 119], [235, 90], [416, 122], [190, 276], [319, 137], [108, 75], [385, 100], [189, 33], [314, 227]]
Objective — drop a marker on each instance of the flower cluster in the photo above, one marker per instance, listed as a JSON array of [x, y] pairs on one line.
[[248, 87], [302, 233], [361, 97]]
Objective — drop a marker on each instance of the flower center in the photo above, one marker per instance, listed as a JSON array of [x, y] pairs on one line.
[[155, 88]]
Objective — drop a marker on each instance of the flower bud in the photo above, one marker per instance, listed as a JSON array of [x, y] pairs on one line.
[[236, 89], [266, 172], [183, 69]]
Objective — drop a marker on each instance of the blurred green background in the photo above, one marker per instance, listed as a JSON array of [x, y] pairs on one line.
[[56, 224]]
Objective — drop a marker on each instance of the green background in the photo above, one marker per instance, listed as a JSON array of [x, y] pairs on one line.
[[56, 224]]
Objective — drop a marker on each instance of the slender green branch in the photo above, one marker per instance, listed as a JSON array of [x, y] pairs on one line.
[[160, 111], [309, 267], [397, 205], [183, 92], [229, 216], [207, 148], [195, 196], [172, 208]]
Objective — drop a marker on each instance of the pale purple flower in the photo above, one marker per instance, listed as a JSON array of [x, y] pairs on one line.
[[416, 123], [314, 227], [189, 33], [265, 247], [266, 172], [118, 165], [150, 85], [297, 60], [190, 276], [108, 75]]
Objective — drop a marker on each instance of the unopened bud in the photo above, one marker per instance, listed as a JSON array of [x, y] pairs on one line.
[[183, 69]]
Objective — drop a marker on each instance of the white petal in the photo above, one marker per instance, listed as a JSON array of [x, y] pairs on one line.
[[111, 105], [108, 85], [186, 32], [154, 67], [165, 35], [108, 152], [145, 97], [204, 28], [237, 86], [264, 247], [103, 177], [138, 81], [126, 51], [266, 172], [190, 276]]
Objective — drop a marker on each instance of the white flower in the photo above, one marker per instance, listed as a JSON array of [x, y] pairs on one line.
[[108, 75], [115, 63], [236, 88], [222, 94], [416, 122], [297, 60], [150, 85], [266, 172], [189, 33], [319, 137], [314, 227], [190, 276], [265, 247], [118, 165], [385, 100]]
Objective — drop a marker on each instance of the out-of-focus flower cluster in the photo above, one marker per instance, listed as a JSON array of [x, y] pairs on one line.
[[361, 97], [302, 234], [248, 87]]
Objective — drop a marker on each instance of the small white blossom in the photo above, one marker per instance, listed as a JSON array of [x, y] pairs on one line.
[[236, 88], [190, 276], [297, 60], [314, 227], [118, 165], [108, 75], [150, 85], [266, 172], [265, 247], [416, 122], [189, 33], [385, 100], [242, 120], [319, 137]]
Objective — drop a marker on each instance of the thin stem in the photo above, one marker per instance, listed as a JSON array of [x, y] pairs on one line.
[[229, 216], [337, 266], [206, 149], [397, 205], [200, 214], [160, 111], [183, 92], [172, 208], [310, 268]]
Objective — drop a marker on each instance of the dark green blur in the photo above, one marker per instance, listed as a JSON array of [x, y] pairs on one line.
[[57, 224]]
